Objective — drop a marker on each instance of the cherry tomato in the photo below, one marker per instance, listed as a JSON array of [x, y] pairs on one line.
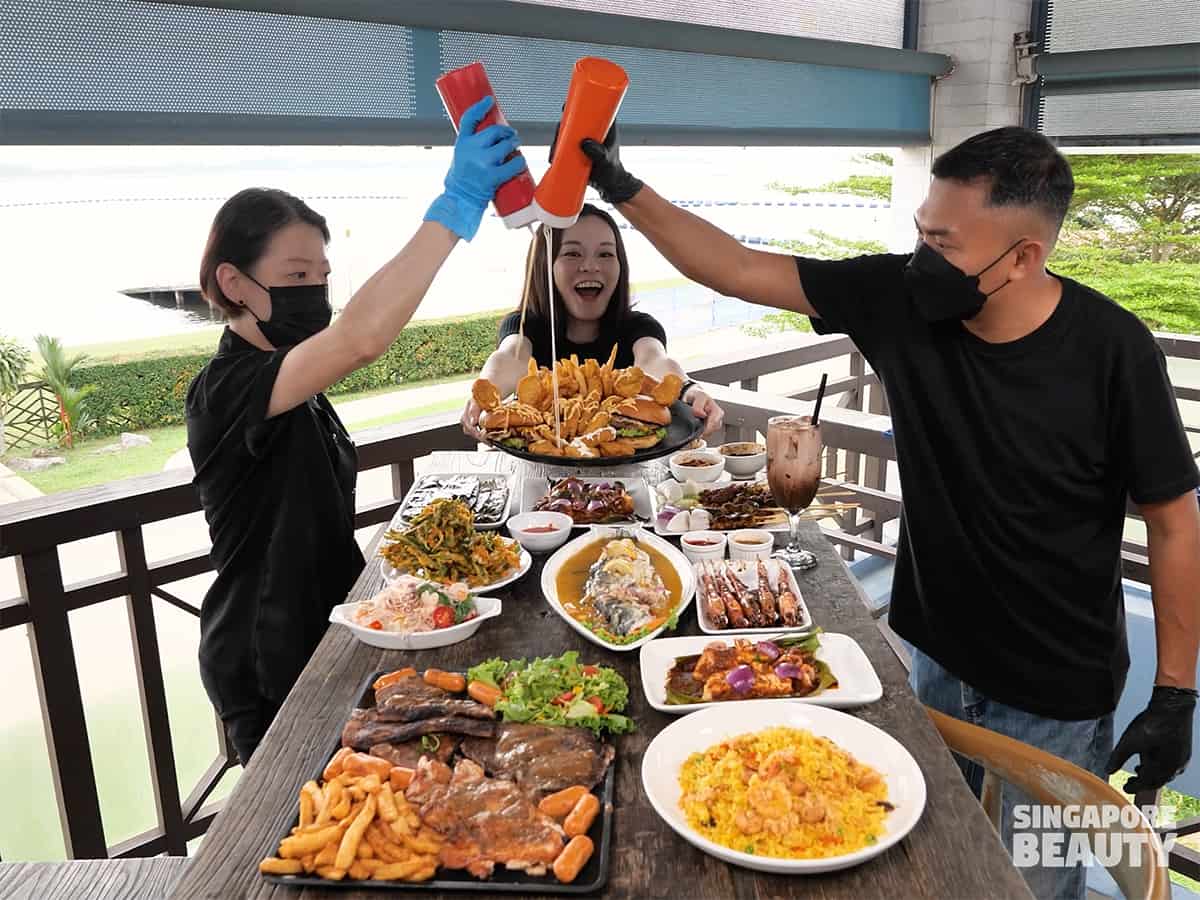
[[377, 625], [565, 697], [598, 703], [591, 670], [443, 617]]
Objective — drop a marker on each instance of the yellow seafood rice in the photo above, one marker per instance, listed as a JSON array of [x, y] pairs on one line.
[[783, 792]]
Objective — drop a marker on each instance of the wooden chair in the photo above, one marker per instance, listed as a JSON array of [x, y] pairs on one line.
[[1053, 781]]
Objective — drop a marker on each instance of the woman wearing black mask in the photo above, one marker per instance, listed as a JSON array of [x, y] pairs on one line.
[[275, 468]]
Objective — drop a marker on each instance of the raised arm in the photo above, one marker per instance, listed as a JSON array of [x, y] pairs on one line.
[[384, 304], [697, 248]]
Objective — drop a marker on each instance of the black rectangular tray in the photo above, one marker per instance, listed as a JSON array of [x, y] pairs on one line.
[[591, 878], [406, 512]]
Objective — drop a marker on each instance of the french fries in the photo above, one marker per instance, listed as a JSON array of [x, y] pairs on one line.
[[563, 410], [379, 837]]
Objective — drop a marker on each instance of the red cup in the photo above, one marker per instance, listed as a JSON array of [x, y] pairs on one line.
[[462, 89]]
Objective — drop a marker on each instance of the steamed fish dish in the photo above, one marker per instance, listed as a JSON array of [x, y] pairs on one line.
[[619, 589]]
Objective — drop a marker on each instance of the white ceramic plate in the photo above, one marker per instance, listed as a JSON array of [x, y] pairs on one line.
[[604, 532], [857, 682], [666, 754], [488, 607], [657, 503], [706, 624], [534, 489], [390, 574], [404, 513]]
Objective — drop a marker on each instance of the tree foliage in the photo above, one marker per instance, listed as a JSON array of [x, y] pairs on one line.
[[1147, 207]]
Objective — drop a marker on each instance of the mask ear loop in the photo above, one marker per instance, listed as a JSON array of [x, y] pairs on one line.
[[244, 305], [1007, 281]]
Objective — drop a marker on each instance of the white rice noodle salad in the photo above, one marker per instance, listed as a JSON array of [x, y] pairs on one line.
[[409, 605]]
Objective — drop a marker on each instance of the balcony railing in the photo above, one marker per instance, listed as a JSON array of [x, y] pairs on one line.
[[858, 452]]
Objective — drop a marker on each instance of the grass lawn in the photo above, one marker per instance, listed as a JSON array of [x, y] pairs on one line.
[[85, 467]]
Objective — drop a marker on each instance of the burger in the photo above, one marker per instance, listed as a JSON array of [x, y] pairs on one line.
[[641, 422]]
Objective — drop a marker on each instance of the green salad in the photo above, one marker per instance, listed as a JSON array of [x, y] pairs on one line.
[[558, 691]]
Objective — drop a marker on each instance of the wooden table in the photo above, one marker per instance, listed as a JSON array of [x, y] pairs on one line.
[[96, 879], [952, 853]]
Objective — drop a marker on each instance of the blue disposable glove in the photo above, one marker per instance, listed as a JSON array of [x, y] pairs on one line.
[[478, 169]]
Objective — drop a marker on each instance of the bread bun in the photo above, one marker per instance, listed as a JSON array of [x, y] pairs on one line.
[[507, 417], [644, 409]]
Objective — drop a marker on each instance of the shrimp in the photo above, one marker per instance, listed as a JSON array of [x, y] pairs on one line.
[[789, 606], [712, 600], [766, 597], [769, 797], [732, 608], [742, 596]]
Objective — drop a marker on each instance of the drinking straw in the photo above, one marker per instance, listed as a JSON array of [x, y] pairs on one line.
[[816, 416]]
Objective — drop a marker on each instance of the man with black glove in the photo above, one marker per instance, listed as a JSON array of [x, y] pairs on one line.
[[1026, 409]]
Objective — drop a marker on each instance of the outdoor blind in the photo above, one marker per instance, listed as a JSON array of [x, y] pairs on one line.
[[1153, 115], [879, 22], [130, 72]]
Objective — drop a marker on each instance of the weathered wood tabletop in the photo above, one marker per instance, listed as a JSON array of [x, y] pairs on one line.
[[952, 853], [95, 879]]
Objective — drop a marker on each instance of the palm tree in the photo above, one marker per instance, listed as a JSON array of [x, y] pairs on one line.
[[14, 360], [57, 369]]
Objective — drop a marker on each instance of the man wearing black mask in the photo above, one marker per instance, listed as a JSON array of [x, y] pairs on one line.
[[1026, 409]]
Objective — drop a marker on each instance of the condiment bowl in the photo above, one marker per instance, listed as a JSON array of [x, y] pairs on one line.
[[751, 543], [541, 541], [701, 545], [711, 465], [741, 464]]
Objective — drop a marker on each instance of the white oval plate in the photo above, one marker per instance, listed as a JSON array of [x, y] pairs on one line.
[[390, 574], [857, 682], [687, 578], [666, 754], [488, 608]]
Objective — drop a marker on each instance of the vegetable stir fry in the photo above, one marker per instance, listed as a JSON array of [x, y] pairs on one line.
[[442, 545]]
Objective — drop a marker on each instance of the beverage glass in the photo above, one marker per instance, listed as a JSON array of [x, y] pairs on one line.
[[794, 475]]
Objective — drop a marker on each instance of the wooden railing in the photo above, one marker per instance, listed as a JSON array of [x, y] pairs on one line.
[[859, 449]]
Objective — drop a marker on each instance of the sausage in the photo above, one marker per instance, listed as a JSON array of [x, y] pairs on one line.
[[556, 806], [392, 677], [365, 764], [573, 858], [334, 768], [447, 681], [581, 817], [401, 777], [484, 693]]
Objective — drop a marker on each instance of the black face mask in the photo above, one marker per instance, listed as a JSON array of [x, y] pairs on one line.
[[942, 290], [297, 312]]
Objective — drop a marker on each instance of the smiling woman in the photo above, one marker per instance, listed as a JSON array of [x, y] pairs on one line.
[[592, 313]]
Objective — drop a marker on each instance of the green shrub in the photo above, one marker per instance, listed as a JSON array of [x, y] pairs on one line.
[[150, 393]]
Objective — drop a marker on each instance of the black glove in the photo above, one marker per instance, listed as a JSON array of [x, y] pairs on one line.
[[608, 177], [1161, 735]]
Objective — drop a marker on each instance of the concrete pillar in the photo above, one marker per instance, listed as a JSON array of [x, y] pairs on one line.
[[976, 96]]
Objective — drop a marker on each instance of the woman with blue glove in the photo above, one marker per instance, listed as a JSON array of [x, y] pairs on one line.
[[275, 468]]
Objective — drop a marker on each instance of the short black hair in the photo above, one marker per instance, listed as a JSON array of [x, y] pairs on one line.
[[243, 227], [1023, 167]]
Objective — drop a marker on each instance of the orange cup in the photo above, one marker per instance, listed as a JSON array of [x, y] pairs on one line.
[[593, 98]]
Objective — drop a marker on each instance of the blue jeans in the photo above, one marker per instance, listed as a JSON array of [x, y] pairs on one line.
[[1086, 743]]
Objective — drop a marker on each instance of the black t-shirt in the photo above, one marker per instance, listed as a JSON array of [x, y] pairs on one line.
[[1015, 460], [278, 495], [636, 325]]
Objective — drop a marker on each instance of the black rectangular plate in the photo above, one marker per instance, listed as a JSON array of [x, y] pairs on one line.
[[592, 877]]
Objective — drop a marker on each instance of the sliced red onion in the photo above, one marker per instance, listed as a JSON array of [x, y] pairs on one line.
[[769, 650], [666, 514], [603, 486], [741, 679], [787, 670], [595, 506], [561, 505]]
